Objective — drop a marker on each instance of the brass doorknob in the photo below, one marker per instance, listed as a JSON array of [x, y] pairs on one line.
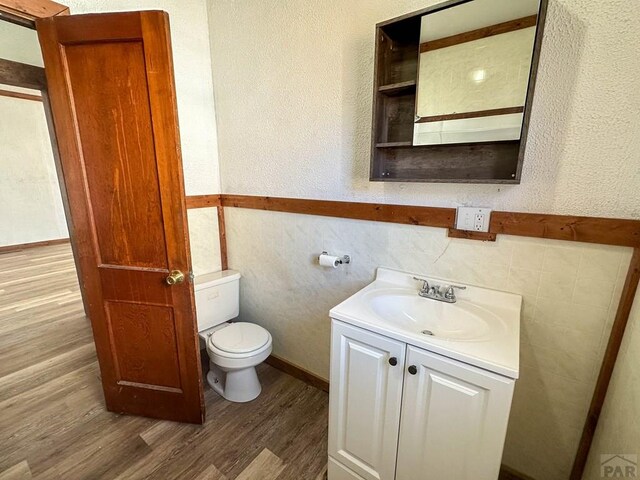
[[175, 277]]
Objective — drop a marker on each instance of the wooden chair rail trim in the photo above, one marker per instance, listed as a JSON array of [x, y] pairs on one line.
[[203, 201], [20, 95], [425, 216], [604, 231], [608, 364], [491, 30]]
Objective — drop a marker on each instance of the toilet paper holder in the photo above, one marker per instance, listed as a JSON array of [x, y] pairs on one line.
[[345, 259]]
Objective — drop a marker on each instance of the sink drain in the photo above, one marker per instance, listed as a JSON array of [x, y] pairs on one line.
[[427, 332]]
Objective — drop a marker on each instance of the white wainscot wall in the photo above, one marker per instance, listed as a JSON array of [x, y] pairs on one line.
[[570, 293]]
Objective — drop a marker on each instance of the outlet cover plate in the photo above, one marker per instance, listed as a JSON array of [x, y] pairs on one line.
[[473, 219]]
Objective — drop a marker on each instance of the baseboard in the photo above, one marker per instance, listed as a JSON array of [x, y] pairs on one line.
[[24, 246], [508, 473], [298, 372]]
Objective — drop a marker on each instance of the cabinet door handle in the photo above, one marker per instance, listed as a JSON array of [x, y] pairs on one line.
[[393, 361], [413, 370]]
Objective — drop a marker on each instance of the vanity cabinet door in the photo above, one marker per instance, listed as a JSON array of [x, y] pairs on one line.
[[454, 419], [365, 399]]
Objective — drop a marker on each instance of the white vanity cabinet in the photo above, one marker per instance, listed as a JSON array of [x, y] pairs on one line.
[[365, 400], [404, 413], [454, 419]]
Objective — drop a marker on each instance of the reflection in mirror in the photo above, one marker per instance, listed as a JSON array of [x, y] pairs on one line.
[[474, 67]]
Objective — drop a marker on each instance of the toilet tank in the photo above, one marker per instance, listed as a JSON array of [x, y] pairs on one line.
[[217, 297]]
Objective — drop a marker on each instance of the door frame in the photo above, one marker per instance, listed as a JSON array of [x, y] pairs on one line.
[[25, 12]]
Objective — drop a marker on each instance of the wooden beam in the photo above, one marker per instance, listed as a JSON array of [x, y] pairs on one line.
[[20, 95], [22, 75], [222, 234], [476, 114], [25, 12], [490, 31], [203, 201], [606, 370]]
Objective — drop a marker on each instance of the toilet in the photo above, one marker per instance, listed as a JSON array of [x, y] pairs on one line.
[[234, 348]]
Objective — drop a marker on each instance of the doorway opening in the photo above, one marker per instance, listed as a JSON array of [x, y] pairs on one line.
[[42, 319], [108, 94]]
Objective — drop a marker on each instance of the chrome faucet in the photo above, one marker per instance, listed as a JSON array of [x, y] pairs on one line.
[[442, 293]]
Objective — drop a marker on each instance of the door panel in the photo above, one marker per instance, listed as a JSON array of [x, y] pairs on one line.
[[111, 88], [365, 396], [114, 125], [135, 328], [454, 419]]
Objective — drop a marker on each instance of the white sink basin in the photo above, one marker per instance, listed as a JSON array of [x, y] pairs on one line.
[[482, 328], [460, 321]]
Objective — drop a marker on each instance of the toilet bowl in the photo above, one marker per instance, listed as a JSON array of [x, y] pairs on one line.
[[234, 352], [234, 348]]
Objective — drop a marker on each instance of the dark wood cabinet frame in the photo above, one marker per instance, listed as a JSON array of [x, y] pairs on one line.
[[394, 158]]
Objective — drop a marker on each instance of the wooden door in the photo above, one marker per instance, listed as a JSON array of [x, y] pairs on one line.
[[454, 420], [111, 88], [364, 401]]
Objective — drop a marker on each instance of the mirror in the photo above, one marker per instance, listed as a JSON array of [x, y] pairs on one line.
[[473, 73]]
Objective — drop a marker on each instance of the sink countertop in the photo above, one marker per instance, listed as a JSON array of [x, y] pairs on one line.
[[494, 339]]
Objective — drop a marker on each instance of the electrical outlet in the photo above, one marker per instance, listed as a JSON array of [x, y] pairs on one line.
[[474, 219]]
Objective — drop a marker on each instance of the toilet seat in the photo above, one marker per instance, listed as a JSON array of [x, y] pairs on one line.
[[239, 339]]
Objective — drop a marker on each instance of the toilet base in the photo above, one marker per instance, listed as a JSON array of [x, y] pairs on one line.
[[234, 385]]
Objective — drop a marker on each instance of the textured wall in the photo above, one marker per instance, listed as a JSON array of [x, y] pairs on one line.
[[619, 427], [570, 293], [192, 64], [293, 85], [30, 202]]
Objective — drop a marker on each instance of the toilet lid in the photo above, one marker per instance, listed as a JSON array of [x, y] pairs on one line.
[[240, 337]]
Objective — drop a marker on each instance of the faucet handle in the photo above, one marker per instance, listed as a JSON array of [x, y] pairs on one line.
[[425, 284], [449, 292]]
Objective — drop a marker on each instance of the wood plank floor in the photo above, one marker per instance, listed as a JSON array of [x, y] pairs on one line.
[[53, 424]]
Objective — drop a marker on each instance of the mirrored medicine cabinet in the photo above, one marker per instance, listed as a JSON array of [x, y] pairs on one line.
[[453, 88]]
